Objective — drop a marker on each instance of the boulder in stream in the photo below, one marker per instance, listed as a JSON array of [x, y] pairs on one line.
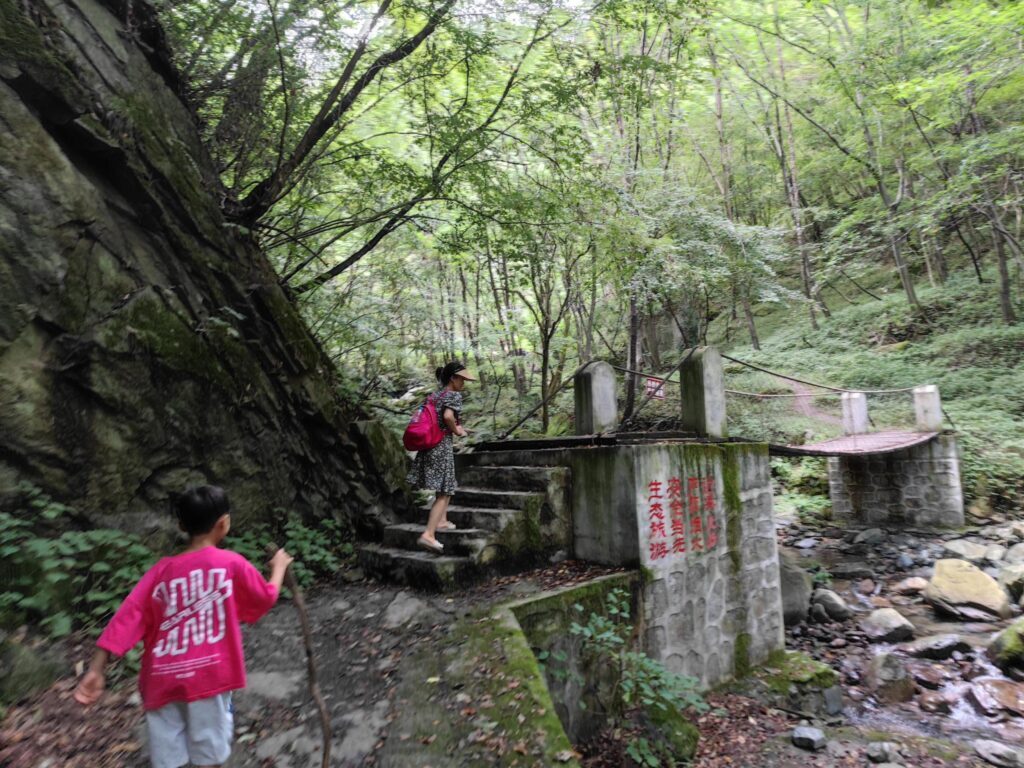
[[1007, 649], [887, 625], [937, 647], [834, 605], [965, 592]]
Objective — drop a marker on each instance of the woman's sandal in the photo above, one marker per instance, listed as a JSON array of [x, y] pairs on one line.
[[431, 546], [447, 525]]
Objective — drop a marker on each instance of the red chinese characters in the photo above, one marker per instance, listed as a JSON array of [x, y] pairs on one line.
[[656, 519], [695, 532]]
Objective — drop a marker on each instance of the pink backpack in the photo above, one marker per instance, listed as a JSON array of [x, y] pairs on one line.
[[423, 432]]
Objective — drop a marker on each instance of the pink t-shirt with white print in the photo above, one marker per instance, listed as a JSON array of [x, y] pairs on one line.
[[187, 610]]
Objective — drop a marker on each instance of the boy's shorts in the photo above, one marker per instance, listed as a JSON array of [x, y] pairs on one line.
[[197, 732]]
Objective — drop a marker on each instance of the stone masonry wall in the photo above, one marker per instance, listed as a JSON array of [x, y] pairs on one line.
[[712, 602], [919, 486], [710, 613]]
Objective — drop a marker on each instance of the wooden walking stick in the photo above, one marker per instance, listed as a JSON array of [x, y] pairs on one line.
[[307, 639]]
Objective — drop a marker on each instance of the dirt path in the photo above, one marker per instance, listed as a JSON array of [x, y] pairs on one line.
[[804, 404]]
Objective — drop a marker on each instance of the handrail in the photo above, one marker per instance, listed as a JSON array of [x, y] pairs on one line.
[[815, 384], [504, 435]]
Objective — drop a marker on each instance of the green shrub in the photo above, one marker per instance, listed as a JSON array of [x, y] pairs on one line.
[[64, 579], [319, 551], [643, 685]]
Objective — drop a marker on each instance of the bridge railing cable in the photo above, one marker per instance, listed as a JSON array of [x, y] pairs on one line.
[[816, 384]]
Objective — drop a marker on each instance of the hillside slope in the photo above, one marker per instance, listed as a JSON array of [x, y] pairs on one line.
[[960, 345]]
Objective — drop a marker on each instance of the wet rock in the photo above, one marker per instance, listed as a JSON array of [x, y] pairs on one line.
[[809, 738], [866, 587], [965, 550], [927, 676], [839, 642], [1014, 555], [835, 607], [1011, 578], [888, 679], [936, 647], [904, 562], [935, 702], [1007, 649], [883, 752], [795, 584], [965, 592], [999, 754], [806, 544], [992, 694], [911, 586], [887, 625], [851, 571]]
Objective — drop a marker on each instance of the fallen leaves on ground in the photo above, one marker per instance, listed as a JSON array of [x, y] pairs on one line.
[[54, 727]]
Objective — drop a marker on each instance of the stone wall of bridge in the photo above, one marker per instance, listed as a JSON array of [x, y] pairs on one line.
[[917, 487]]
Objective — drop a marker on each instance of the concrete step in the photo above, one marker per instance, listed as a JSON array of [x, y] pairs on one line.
[[417, 569], [468, 541], [486, 498], [534, 479], [487, 520]]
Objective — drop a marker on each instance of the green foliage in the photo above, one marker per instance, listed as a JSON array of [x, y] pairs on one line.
[[320, 550], [64, 579], [642, 683]]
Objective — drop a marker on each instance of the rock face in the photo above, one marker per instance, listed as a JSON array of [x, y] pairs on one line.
[[795, 584], [144, 343], [966, 592]]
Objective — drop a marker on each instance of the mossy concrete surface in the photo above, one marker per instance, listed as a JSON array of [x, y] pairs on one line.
[[582, 688], [793, 681], [481, 699]]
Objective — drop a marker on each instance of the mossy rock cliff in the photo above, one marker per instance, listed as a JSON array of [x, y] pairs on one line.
[[144, 342]]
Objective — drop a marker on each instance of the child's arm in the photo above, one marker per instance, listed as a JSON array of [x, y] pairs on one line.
[[278, 565], [123, 632], [91, 686], [254, 594]]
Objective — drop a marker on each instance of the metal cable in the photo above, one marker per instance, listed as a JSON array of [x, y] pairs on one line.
[[815, 384]]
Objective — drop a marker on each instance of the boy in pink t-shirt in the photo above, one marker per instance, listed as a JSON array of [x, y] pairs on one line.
[[187, 610]]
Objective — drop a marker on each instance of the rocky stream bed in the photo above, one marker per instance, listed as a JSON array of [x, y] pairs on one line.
[[918, 628]]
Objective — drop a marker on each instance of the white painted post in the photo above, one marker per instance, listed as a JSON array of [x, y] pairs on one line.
[[928, 408], [855, 413], [597, 409]]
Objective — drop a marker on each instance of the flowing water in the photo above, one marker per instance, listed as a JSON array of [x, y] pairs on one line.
[[964, 722]]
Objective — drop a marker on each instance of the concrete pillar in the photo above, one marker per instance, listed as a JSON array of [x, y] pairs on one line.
[[703, 393], [855, 413], [597, 409], [928, 408]]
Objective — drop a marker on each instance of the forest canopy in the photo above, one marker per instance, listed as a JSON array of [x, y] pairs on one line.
[[529, 185]]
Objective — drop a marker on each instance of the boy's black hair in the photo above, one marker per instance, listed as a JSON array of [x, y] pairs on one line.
[[200, 507]]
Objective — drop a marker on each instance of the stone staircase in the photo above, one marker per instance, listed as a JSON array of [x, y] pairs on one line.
[[507, 518]]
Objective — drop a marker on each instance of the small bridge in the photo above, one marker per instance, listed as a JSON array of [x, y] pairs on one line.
[[873, 443], [905, 475]]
